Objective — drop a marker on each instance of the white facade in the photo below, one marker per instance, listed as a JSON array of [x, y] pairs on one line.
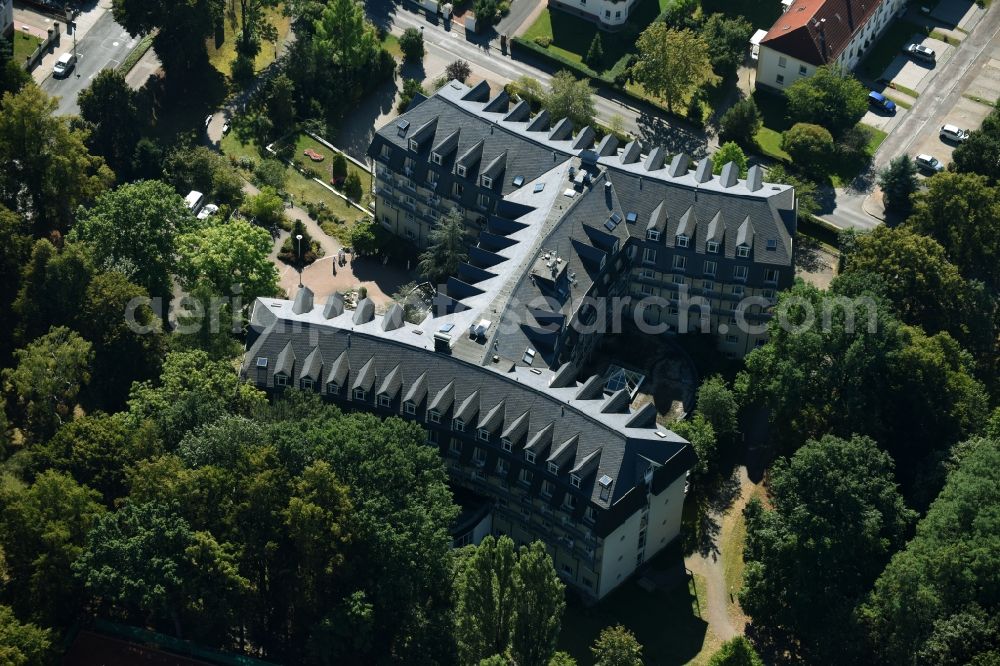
[[780, 70], [6, 17], [608, 13]]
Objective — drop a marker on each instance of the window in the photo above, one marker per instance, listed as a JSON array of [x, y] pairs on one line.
[[678, 279], [506, 445], [386, 151], [740, 272], [569, 502], [768, 293], [525, 477], [607, 13], [458, 425], [672, 310], [574, 480], [432, 436], [780, 79], [487, 181], [484, 200], [460, 170], [306, 384], [782, 61], [680, 263], [553, 468], [479, 456], [618, 15], [503, 467], [384, 401], [649, 255], [464, 540], [712, 247], [458, 190], [281, 380], [590, 514], [360, 394], [647, 273], [708, 285], [484, 434], [547, 488], [772, 244], [743, 251], [682, 241], [434, 416], [771, 276], [652, 234], [802, 70], [731, 339], [455, 445], [332, 388], [646, 289], [737, 291], [710, 268], [529, 456], [409, 408], [432, 177], [436, 158]]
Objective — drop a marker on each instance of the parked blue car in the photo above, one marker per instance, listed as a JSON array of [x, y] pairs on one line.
[[880, 101]]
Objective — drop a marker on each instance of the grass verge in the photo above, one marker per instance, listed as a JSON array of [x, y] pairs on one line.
[[222, 52], [135, 55], [24, 45]]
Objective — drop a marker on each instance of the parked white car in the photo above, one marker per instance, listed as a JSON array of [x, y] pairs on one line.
[[921, 52], [64, 65], [207, 211], [929, 163], [954, 133]]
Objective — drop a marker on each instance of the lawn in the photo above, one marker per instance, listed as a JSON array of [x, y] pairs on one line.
[[391, 44], [888, 46], [668, 624], [302, 189], [24, 45], [306, 142], [222, 53]]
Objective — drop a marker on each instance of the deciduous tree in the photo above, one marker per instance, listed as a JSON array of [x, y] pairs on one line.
[[730, 152], [727, 37], [672, 63], [225, 255], [617, 646], [110, 107], [718, 404], [831, 97], [736, 652], [810, 146], [459, 70], [181, 28], [23, 644], [412, 44], [741, 122], [538, 606], [569, 97]]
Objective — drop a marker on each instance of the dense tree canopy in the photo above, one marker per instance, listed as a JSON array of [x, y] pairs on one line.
[[831, 97], [937, 600], [837, 518], [617, 646], [111, 109], [572, 98], [672, 63], [181, 28], [232, 257]]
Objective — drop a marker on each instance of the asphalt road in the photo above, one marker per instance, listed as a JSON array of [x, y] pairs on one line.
[[105, 45]]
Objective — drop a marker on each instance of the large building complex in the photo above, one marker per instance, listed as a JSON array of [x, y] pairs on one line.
[[570, 233], [812, 33]]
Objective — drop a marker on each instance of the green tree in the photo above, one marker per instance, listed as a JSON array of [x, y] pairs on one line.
[[338, 166], [937, 600], [595, 54], [980, 153], [810, 146], [899, 183], [672, 63], [486, 586], [736, 652], [23, 644], [562, 659], [47, 378], [962, 212], [353, 187], [412, 44], [458, 70], [181, 28], [447, 248], [146, 559], [729, 152], [110, 107], [254, 26], [280, 104], [15, 250], [44, 527], [831, 97], [226, 255], [411, 88], [700, 433], [741, 122], [271, 173], [837, 519], [717, 402], [266, 208], [47, 170], [486, 12], [805, 190], [569, 97], [727, 38], [53, 286], [13, 75], [538, 606], [201, 168], [617, 646], [133, 230]]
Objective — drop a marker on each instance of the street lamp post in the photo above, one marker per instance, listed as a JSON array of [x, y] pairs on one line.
[[298, 238], [71, 25]]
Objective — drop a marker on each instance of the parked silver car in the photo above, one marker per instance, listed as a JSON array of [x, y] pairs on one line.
[[921, 52], [954, 133], [929, 163]]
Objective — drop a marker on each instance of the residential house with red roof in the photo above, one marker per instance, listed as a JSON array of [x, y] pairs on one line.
[[812, 33]]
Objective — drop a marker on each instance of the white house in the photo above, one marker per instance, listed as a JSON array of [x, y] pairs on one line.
[[811, 33], [6, 17], [609, 14]]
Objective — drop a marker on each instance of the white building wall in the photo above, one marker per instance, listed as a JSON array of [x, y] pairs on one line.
[[665, 512], [606, 12], [777, 70], [618, 559]]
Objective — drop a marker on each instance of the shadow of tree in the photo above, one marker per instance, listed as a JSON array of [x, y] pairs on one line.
[[358, 128], [676, 138], [807, 255]]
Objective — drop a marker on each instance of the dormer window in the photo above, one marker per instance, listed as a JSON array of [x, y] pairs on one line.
[[460, 170], [436, 158], [458, 425], [484, 434], [434, 416], [506, 445], [529, 456], [384, 401], [553, 468], [653, 234], [332, 388], [712, 247], [743, 251], [414, 145], [682, 241], [306, 384], [409, 407], [574, 480], [487, 181], [360, 394]]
